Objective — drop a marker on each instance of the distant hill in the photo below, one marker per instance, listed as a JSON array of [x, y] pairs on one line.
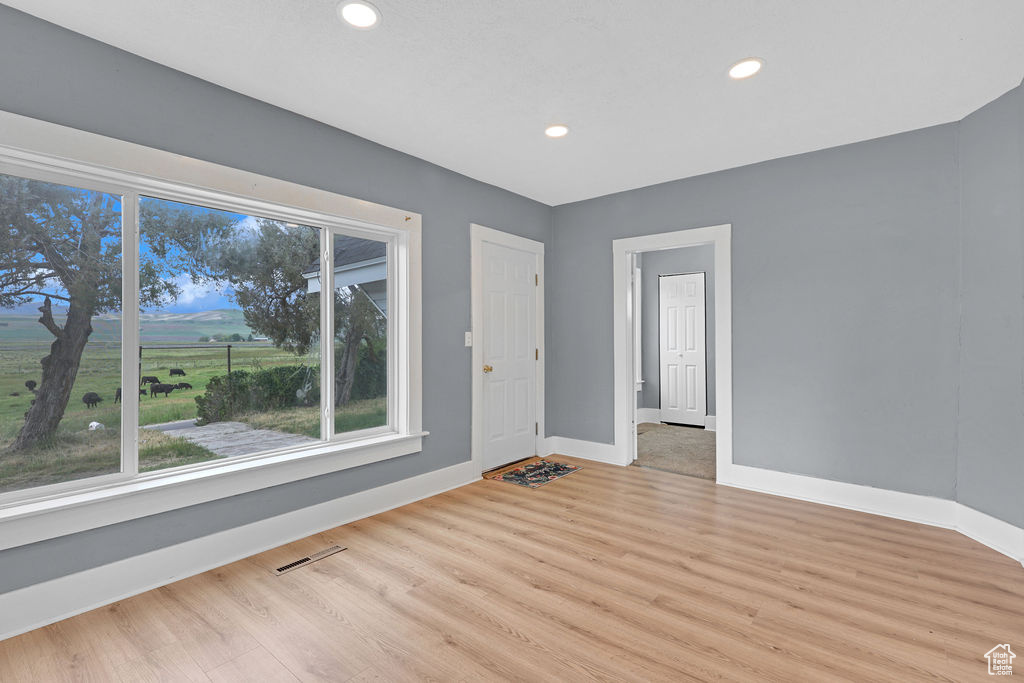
[[32, 308], [189, 327], [224, 315], [17, 325]]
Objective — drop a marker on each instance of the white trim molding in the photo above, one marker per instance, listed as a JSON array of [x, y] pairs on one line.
[[586, 450], [44, 603], [1001, 536], [54, 153], [478, 235], [907, 506], [710, 423], [988, 530], [70, 513], [624, 253]]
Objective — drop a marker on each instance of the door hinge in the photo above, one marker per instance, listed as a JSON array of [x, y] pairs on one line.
[[536, 280], [536, 428], [536, 354]]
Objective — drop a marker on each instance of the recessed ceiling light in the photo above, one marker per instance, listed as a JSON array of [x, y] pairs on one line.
[[359, 14], [745, 68], [557, 131]]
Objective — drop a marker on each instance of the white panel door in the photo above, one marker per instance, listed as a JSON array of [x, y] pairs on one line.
[[509, 355], [683, 354]]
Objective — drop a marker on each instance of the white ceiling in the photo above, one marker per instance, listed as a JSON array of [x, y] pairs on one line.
[[471, 84]]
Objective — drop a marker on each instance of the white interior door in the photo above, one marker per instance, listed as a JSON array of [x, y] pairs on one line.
[[683, 353], [509, 354]]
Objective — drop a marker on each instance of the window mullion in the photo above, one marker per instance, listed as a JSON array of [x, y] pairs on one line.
[[130, 333], [396, 397], [327, 333]]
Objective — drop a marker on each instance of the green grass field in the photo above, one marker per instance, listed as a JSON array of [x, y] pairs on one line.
[[77, 452]]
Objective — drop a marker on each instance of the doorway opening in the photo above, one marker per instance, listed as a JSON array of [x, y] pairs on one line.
[[674, 322], [679, 421]]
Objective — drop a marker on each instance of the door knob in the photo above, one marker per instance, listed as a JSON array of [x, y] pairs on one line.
[[488, 368]]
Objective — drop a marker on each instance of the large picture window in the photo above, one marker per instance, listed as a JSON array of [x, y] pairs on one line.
[[148, 333], [60, 333], [229, 334]]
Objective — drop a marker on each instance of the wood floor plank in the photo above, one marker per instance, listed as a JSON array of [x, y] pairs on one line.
[[258, 665], [606, 574], [168, 663]]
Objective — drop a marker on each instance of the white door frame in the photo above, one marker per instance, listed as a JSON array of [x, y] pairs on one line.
[[625, 416], [479, 234]]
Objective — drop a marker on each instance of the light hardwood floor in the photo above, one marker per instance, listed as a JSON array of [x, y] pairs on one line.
[[610, 573]]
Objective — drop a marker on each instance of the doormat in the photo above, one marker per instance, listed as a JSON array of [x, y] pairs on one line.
[[532, 473]]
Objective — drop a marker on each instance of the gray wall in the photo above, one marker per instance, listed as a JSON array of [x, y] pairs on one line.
[[990, 456], [846, 288], [668, 262], [52, 74], [845, 319]]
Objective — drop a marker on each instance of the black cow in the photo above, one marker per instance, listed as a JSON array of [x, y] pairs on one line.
[[117, 394], [177, 372], [91, 399], [149, 379], [30, 384], [182, 385], [158, 388]]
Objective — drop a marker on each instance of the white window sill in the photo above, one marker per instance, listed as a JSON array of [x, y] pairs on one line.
[[152, 493]]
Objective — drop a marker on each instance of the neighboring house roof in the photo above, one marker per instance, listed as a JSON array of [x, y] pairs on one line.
[[350, 250], [357, 262]]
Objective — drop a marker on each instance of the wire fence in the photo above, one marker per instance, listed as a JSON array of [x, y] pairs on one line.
[[104, 358]]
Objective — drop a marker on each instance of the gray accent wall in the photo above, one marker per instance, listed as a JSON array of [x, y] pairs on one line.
[[52, 74], [673, 262], [990, 455], [845, 324]]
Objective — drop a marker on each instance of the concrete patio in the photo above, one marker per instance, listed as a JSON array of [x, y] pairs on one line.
[[228, 439]]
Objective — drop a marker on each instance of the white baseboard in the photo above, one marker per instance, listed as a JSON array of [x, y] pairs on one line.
[[908, 506], [994, 533], [588, 450], [987, 530], [648, 414], [709, 423], [45, 603]]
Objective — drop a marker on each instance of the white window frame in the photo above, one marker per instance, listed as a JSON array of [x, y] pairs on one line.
[[53, 153]]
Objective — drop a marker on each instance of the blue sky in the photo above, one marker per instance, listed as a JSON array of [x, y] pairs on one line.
[[206, 296], [194, 297]]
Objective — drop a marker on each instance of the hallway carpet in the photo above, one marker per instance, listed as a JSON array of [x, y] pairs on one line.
[[674, 448]]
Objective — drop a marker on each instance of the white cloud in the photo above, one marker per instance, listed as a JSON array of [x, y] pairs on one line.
[[248, 225], [192, 291]]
